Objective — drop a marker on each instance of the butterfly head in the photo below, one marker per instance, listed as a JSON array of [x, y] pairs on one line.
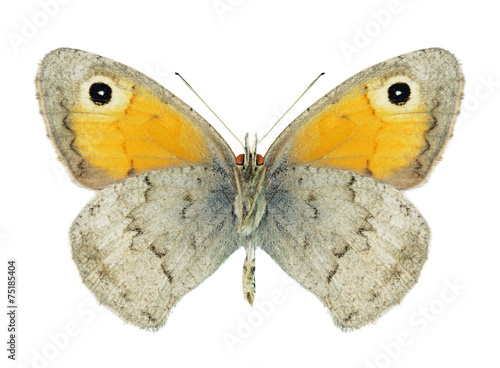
[[250, 159]]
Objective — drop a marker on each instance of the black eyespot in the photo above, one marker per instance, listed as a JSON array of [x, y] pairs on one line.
[[100, 93], [399, 93]]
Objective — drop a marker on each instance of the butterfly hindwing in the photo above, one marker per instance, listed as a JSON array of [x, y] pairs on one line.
[[142, 244], [356, 243]]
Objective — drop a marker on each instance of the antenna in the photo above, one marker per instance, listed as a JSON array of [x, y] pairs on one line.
[[192, 89], [297, 100]]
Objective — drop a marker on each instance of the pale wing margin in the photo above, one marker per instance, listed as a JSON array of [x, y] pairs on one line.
[[141, 244], [357, 244]]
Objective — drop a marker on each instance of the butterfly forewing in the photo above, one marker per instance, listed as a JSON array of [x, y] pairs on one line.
[[110, 122], [389, 122]]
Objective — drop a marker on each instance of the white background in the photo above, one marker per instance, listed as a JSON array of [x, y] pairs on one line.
[[250, 60]]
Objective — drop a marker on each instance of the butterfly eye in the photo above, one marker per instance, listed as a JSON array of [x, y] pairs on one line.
[[240, 159], [100, 93], [399, 93], [260, 160]]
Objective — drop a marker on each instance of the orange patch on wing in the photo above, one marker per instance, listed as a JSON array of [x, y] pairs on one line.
[[362, 135], [135, 133]]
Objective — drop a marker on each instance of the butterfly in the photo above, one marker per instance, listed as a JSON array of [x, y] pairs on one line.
[[175, 203]]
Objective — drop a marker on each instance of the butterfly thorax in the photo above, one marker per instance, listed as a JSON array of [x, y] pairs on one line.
[[250, 202], [250, 207]]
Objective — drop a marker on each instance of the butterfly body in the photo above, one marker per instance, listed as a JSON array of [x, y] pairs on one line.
[[324, 203]]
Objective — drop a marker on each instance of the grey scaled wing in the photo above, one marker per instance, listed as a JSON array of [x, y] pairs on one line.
[[141, 244], [356, 243]]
